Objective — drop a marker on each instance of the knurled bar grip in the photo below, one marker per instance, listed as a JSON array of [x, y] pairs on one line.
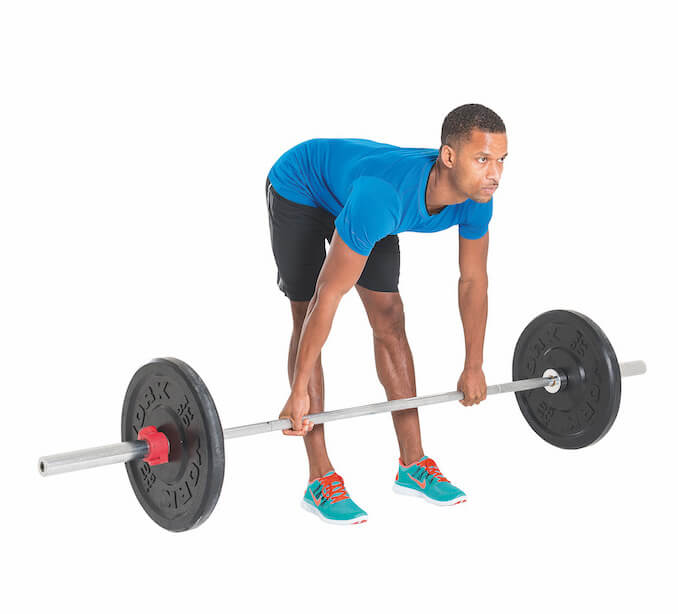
[[134, 450], [377, 408]]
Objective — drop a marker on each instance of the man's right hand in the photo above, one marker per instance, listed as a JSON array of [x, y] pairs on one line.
[[297, 406]]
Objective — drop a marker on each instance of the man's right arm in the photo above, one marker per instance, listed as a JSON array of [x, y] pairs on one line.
[[362, 225], [340, 272]]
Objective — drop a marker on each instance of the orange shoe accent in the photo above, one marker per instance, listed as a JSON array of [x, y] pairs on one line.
[[332, 492], [316, 501], [415, 480]]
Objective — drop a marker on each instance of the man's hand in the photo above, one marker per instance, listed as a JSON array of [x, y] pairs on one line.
[[472, 384], [297, 405]]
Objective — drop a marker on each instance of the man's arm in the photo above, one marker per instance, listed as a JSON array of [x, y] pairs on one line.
[[341, 270], [473, 309], [358, 227]]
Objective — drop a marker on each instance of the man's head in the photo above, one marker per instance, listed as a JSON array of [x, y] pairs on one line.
[[473, 149]]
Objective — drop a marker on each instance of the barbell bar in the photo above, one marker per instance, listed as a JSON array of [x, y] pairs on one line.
[[126, 451], [173, 443]]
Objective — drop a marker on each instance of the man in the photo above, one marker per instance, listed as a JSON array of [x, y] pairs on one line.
[[369, 192]]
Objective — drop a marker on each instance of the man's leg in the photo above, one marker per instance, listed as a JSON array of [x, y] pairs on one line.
[[318, 461], [298, 235], [395, 367]]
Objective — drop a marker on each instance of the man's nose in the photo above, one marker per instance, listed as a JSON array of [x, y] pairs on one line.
[[493, 173]]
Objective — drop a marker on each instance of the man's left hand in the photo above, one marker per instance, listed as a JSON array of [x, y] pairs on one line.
[[472, 384]]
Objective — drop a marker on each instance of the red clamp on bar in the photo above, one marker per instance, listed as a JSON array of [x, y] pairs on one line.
[[158, 445]]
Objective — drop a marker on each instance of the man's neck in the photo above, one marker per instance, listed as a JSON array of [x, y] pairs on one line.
[[440, 191]]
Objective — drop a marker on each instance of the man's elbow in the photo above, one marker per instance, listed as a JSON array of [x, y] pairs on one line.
[[477, 282], [330, 292]]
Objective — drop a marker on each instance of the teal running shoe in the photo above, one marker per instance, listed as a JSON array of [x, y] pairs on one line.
[[327, 497], [423, 478]]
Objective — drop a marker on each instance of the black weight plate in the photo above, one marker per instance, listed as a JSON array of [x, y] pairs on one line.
[[168, 394], [582, 411]]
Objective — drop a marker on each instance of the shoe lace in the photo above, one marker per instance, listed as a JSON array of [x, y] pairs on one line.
[[333, 488], [432, 469]]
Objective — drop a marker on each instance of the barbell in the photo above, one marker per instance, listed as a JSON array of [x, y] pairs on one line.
[[566, 379]]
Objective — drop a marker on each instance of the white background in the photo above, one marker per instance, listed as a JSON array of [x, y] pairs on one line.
[[134, 146]]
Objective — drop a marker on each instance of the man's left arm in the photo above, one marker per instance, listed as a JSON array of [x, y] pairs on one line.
[[473, 309]]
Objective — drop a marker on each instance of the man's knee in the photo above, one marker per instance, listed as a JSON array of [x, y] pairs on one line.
[[388, 320]]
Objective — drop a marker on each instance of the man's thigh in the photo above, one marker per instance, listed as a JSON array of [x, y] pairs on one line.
[[382, 269]]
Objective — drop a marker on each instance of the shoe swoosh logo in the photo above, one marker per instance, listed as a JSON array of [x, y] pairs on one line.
[[416, 481], [316, 501]]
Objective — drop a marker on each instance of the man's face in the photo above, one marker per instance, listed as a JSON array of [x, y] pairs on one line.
[[478, 164]]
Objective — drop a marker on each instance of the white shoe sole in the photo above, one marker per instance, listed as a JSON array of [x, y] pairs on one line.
[[410, 492], [313, 509]]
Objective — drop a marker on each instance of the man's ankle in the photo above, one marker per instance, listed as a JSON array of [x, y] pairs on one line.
[[319, 471], [410, 457]]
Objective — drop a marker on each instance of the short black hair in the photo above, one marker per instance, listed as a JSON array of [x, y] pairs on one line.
[[461, 121]]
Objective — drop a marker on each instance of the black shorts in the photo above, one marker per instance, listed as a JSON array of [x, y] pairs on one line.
[[298, 235]]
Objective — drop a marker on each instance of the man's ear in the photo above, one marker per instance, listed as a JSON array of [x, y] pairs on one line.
[[447, 156]]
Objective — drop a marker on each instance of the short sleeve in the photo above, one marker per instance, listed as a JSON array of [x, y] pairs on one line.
[[369, 214], [477, 220]]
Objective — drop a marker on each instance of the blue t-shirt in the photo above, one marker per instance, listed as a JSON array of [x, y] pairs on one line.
[[373, 189]]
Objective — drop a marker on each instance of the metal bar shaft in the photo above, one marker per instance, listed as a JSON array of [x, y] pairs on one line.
[[384, 406], [636, 367], [92, 457], [633, 367], [134, 450]]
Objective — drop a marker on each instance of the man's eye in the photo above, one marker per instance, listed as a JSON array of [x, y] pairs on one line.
[[482, 159]]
